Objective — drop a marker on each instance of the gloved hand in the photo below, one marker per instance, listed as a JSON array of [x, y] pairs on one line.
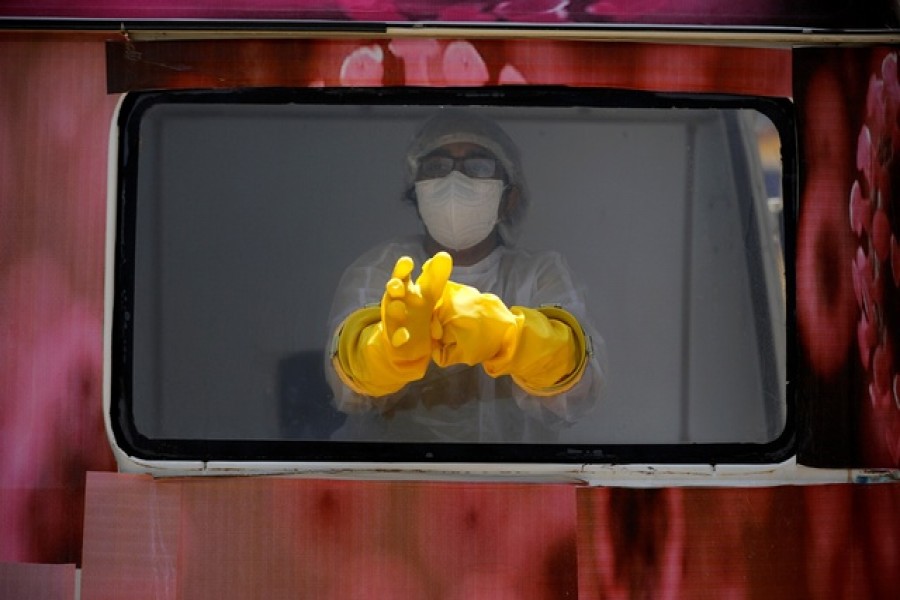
[[544, 350], [471, 327], [380, 349], [407, 307]]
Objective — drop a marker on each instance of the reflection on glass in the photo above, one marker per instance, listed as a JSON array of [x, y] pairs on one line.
[[251, 217]]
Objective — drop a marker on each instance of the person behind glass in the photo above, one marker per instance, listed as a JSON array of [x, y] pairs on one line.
[[490, 342]]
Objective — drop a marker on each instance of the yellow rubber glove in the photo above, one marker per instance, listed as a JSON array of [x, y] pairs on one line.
[[544, 350], [380, 349]]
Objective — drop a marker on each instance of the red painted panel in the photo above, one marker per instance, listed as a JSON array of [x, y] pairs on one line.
[[848, 256], [656, 67]]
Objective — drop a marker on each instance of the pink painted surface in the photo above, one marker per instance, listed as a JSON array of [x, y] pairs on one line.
[[288, 538], [285, 538], [131, 537], [54, 123], [37, 582]]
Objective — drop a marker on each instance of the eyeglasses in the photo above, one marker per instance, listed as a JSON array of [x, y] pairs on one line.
[[440, 165]]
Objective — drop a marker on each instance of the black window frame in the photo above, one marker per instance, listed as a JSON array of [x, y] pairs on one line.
[[780, 111]]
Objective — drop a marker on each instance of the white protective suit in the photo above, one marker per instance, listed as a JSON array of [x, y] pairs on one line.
[[462, 403]]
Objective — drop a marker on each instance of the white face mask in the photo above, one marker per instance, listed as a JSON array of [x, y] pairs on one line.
[[459, 211]]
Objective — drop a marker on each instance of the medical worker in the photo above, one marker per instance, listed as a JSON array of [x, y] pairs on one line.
[[488, 342]]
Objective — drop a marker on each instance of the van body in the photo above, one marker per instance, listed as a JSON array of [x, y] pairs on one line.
[[183, 186]]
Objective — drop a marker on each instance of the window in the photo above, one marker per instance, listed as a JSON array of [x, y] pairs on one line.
[[238, 212]]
